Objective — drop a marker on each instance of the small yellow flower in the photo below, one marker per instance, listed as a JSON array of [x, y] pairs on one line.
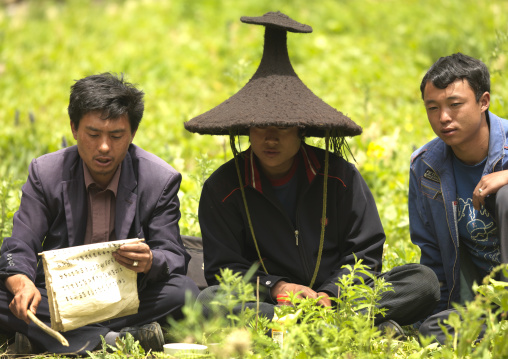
[[375, 150]]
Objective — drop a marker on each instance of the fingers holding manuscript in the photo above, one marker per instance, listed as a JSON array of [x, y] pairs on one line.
[[137, 257]]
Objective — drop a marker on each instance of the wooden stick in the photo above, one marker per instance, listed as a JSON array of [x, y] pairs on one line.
[[257, 302], [47, 329]]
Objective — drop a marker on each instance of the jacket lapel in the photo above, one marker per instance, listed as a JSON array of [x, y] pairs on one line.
[[126, 199], [75, 203]]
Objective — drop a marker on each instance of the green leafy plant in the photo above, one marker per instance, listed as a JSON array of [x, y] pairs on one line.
[[9, 202], [228, 309], [487, 312], [124, 347], [314, 331], [347, 330]]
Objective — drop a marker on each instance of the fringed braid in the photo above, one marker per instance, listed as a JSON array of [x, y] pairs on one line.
[[339, 145], [242, 190], [323, 216]]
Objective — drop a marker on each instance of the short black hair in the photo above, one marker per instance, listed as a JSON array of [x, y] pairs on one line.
[[109, 94], [448, 69]]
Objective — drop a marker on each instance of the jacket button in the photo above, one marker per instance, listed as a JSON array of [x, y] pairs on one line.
[[268, 282]]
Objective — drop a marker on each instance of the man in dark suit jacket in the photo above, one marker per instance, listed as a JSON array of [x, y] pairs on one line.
[[102, 189]]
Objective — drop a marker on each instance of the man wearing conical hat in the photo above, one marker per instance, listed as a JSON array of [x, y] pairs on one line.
[[300, 212]]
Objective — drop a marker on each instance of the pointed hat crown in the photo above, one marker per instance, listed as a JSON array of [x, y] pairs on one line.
[[274, 96]]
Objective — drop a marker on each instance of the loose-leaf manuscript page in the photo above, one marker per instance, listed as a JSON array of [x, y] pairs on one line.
[[86, 285]]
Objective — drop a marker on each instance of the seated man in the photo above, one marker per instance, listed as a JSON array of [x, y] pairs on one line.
[[103, 189], [300, 212], [457, 193]]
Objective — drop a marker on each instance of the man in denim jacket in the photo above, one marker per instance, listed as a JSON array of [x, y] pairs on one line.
[[458, 198]]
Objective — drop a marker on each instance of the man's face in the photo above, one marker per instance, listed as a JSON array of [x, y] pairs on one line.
[[102, 144], [275, 147], [455, 115]]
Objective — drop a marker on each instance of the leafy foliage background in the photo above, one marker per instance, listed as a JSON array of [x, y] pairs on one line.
[[365, 57]]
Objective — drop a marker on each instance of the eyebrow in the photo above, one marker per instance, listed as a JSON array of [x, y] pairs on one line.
[[91, 128], [448, 98]]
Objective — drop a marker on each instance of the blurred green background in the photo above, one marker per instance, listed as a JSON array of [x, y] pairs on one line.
[[365, 57]]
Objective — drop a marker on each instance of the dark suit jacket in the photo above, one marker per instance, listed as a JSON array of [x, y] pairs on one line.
[[53, 213]]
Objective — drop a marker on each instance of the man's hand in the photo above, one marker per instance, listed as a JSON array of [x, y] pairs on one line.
[[489, 184], [325, 301], [282, 287], [26, 296], [137, 257]]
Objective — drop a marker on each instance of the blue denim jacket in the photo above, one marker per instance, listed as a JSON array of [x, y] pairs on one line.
[[433, 206]]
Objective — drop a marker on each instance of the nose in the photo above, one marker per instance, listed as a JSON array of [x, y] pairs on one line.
[[271, 135], [104, 145], [444, 116]]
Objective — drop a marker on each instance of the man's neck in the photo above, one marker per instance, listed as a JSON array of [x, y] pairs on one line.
[[472, 156], [473, 152], [103, 182], [288, 176]]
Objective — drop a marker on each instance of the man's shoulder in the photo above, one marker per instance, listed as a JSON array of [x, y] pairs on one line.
[[59, 156], [56, 163], [338, 164], [223, 182], [497, 118], [498, 124], [226, 175], [417, 155], [150, 164]]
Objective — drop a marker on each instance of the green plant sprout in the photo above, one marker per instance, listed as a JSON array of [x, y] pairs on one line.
[[124, 347]]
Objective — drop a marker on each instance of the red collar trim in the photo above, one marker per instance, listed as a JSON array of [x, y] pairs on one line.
[[252, 176], [311, 162]]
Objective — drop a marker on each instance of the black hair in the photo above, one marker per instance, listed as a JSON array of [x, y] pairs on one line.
[[448, 69], [109, 94]]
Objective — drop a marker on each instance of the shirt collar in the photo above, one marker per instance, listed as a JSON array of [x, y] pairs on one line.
[[112, 185]]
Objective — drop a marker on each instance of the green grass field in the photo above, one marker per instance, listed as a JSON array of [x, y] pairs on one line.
[[366, 58]]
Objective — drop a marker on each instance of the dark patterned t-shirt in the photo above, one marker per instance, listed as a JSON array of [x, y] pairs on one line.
[[477, 229]]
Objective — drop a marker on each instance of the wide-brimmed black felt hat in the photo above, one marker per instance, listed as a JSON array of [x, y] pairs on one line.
[[274, 96]]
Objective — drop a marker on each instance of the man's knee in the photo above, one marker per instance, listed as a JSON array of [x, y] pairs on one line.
[[429, 277], [205, 298], [425, 328], [419, 278], [431, 327], [189, 286], [169, 294], [208, 295], [182, 288]]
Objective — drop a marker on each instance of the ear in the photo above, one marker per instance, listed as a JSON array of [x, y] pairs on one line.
[[133, 134], [74, 131], [302, 132], [485, 101]]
